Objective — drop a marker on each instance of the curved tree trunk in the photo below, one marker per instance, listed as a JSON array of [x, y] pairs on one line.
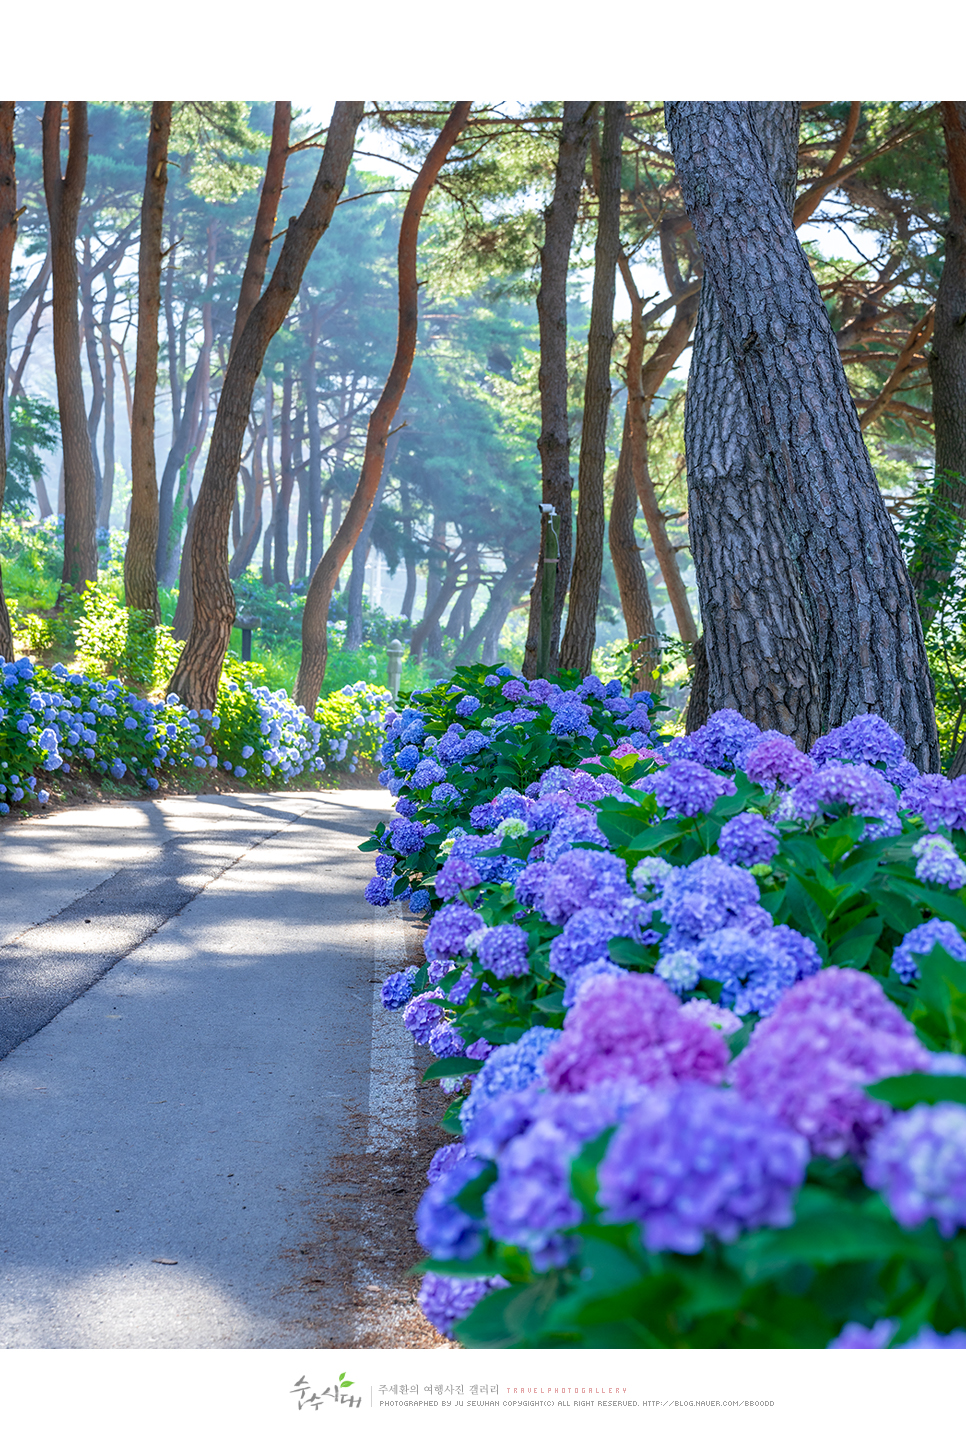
[[868, 646], [196, 676], [8, 237], [315, 616], [629, 568], [936, 559], [64, 193], [560, 218], [140, 570], [577, 646]]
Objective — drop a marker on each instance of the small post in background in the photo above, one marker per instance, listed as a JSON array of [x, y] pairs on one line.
[[248, 624], [394, 657], [550, 551]]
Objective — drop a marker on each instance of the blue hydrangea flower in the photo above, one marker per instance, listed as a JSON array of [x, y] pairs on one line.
[[422, 1015], [467, 706], [378, 891], [688, 789], [865, 739], [397, 989], [747, 839], [419, 901], [920, 940], [449, 929], [444, 1229], [724, 741], [503, 949], [918, 1163], [445, 1300], [508, 1068]]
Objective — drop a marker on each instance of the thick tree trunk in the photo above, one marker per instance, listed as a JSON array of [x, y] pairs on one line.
[[868, 645], [140, 571], [560, 219], [315, 616], [945, 523], [577, 646], [196, 676], [8, 237], [64, 193], [629, 569]]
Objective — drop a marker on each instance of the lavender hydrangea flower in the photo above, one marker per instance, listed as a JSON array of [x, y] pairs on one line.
[[444, 1159], [688, 789], [865, 739], [397, 989], [479, 1050], [747, 839], [857, 1336], [723, 741], [809, 1063], [576, 827], [449, 929], [436, 969], [860, 788], [927, 1338], [503, 949], [579, 879], [717, 1016], [549, 810], [695, 1160], [528, 888], [515, 690], [938, 862], [940, 802], [585, 973], [422, 1015], [508, 1068], [586, 937], [775, 759], [445, 1300], [920, 940], [445, 1040], [428, 773], [918, 1163], [455, 876], [631, 1029]]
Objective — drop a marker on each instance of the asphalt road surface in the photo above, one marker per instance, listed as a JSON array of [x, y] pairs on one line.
[[190, 1047]]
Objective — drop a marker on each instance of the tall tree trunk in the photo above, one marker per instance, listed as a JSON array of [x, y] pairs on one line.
[[560, 218], [107, 485], [196, 676], [315, 616], [140, 569], [503, 594], [89, 330], [577, 646], [8, 237], [360, 553], [302, 518], [286, 483], [409, 555], [427, 636], [868, 643], [314, 505], [458, 625], [945, 523], [643, 382], [261, 243], [33, 294], [64, 192], [629, 568]]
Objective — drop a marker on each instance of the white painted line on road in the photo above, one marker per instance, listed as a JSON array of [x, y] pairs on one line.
[[392, 1067]]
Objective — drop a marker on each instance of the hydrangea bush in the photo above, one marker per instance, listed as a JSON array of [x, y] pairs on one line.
[[702, 1004], [352, 722], [54, 722]]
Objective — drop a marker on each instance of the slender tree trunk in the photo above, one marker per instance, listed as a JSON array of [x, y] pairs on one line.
[[945, 523], [302, 516], [64, 192], [196, 676], [242, 558], [167, 548], [629, 568], [33, 294], [107, 486], [503, 593], [89, 331], [360, 554], [868, 644], [577, 646], [8, 237], [458, 625], [429, 637], [315, 616], [427, 634], [140, 569], [261, 243], [286, 484], [554, 443]]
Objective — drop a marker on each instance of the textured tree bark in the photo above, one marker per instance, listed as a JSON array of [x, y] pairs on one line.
[[195, 679], [261, 243], [945, 524], [140, 570], [315, 616], [560, 219], [8, 237], [64, 193], [868, 647], [577, 646]]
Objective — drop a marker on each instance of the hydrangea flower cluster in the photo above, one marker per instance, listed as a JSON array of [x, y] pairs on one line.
[[918, 1163]]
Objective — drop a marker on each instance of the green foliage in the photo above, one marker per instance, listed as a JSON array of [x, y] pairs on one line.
[[352, 723], [123, 641], [34, 429]]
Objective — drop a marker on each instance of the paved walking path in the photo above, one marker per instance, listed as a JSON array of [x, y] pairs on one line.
[[187, 1044]]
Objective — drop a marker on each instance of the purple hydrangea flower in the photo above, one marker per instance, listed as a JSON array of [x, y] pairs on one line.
[[723, 741], [515, 691], [631, 1029], [920, 940], [571, 720], [918, 1163], [938, 862], [455, 876], [586, 937], [545, 814], [555, 780], [857, 1336], [695, 1160], [428, 773], [688, 789], [587, 972], [436, 969], [775, 759], [940, 802], [445, 1300], [397, 989], [444, 1159], [449, 928], [927, 1338], [705, 896], [809, 1063], [446, 793], [467, 706], [747, 839], [422, 1015], [406, 837], [528, 888], [580, 879], [508, 1068], [717, 1016], [866, 739], [860, 788], [445, 1040], [378, 891], [503, 949], [575, 827], [478, 1050], [407, 807]]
